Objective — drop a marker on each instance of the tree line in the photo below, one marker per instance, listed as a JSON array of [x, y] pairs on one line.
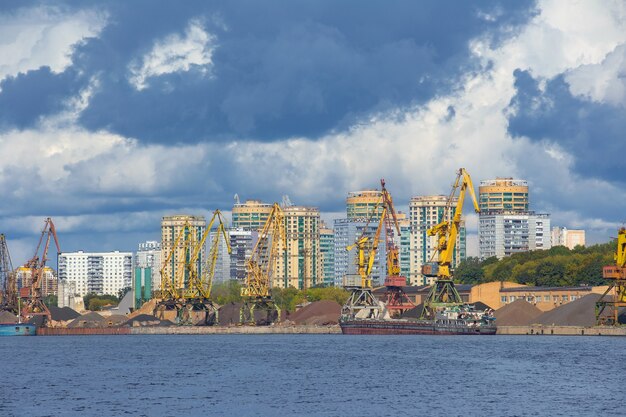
[[555, 267]]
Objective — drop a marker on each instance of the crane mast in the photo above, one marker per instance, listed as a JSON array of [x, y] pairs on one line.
[[614, 298], [32, 298], [443, 292], [260, 268], [8, 284]]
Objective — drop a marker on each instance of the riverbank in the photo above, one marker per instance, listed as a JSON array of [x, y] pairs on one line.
[[51, 331]]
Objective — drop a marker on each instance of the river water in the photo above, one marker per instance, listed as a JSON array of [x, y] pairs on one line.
[[312, 375]]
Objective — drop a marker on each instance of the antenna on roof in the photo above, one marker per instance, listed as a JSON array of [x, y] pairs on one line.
[[286, 201], [237, 199]]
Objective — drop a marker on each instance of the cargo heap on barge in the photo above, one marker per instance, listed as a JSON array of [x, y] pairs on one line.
[[443, 312]]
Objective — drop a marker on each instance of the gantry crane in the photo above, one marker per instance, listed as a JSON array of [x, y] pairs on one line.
[[260, 268], [8, 283], [188, 288], [396, 300], [361, 297], [614, 297], [443, 293], [31, 298]]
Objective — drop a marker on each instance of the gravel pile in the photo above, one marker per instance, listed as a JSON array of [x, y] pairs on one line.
[[144, 320], [580, 312], [6, 317], [89, 320], [63, 314], [322, 312], [518, 313]]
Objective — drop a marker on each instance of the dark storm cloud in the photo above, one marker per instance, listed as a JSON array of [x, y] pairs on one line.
[[280, 69], [26, 97], [592, 132]]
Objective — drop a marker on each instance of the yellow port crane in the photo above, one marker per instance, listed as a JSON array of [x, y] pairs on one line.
[[187, 289], [443, 292], [614, 298], [260, 268], [361, 297]]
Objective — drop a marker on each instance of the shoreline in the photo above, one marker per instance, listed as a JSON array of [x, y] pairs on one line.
[[304, 329]]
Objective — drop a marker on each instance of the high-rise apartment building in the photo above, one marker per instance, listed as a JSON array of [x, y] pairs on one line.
[[193, 228], [96, 272], [327, 252], [506, 226], [424, 213], [149, 256], [221, 271], [504, 234], [404, 244], [49, 283], [251, 215], [347, 232], [363, 204], [562, 236], [503, 195], [300, 265], [241, 244]]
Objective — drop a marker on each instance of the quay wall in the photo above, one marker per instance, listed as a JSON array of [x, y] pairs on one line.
[[538, 329], [57, 331]]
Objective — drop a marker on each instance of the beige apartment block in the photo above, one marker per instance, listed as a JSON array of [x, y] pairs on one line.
[[503, 195], [300, 265], [251, 215], [363, 204]]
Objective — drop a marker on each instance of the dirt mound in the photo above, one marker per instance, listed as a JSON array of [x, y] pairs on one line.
[[581, 312], [318, 312], [147, 308], [63, 314], [143, 320], [7, 317], [518, 313], [89, 320]]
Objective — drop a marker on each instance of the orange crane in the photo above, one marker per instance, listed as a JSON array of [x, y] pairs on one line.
[[31, 297], [260, 268]]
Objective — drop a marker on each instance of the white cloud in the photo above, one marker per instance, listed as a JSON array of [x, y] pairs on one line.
[[176, 53], [44, 36]]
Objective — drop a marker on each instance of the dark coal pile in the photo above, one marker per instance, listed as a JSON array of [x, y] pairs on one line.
[[413, 313], [580, 312], [480, 306], [518, 313], [89, 320], [144, 320], [322, 312], [6, 317], [115, 320], [229, 314], [63, 313]]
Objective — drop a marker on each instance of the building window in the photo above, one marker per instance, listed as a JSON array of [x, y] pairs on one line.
[[503, 299]]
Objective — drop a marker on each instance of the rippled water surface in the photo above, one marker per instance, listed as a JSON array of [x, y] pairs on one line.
[[317, 375]]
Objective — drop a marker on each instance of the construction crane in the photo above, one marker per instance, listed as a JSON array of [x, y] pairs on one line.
[[31, 298], [443, 293], [361, 297], [8, 284], [614, 298], [186, 289], [260, 268]]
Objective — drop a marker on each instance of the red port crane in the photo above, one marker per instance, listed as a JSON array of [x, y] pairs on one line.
[[31, 297]]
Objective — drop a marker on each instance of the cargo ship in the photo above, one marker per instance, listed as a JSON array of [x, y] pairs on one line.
[[454, 321], [17, 329]]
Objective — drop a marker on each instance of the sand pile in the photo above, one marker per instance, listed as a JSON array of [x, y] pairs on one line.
[[89, 320], [517, 313], [322, 312], [6, 317], [146, 308], [63, 314], [580, 312]]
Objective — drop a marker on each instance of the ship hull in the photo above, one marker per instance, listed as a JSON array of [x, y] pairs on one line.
[[18, 329], [397, 327]]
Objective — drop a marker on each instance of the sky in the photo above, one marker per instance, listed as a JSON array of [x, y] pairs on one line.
[[114, 114]]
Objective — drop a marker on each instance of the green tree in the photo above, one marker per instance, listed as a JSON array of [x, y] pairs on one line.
[[51, 300], [469, 271], [122, 292]]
